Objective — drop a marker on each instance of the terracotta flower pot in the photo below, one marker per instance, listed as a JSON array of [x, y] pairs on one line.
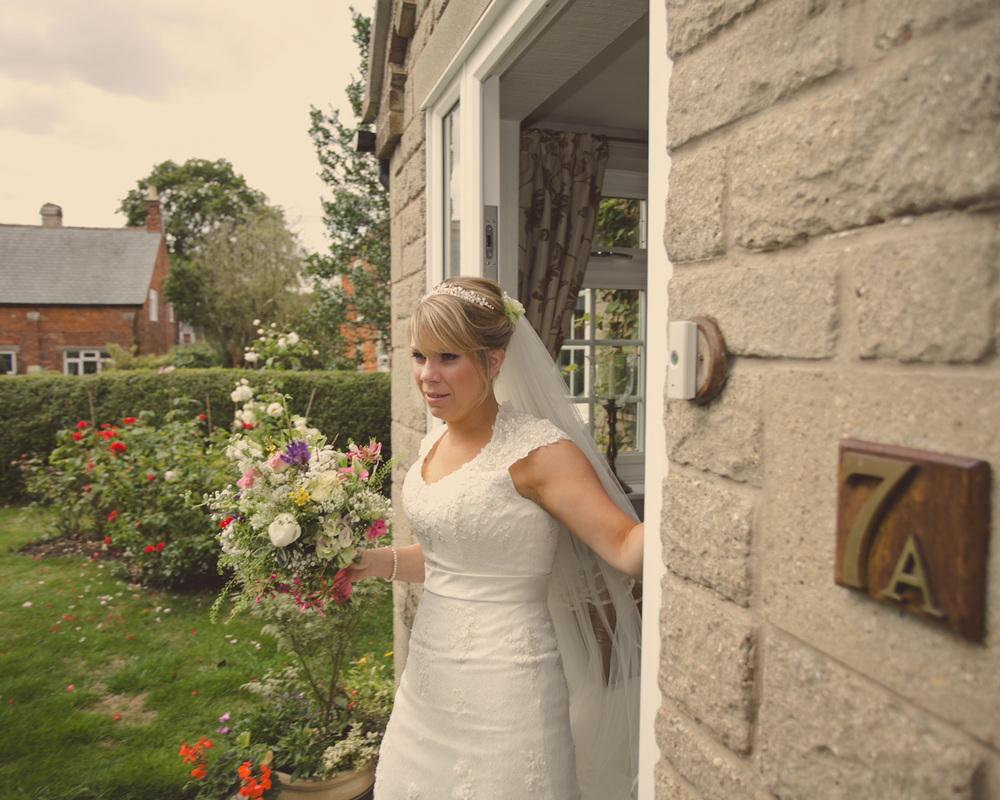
[[342, 786]]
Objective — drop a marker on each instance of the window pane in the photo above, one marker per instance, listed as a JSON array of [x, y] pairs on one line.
[[89, 367], [73, 354], [452, 167], [72, 368], [620, 223]]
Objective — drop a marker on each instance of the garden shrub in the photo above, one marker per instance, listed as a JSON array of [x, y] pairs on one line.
[[133, 484], [34, 408]]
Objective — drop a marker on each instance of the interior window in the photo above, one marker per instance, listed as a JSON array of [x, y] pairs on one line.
[[603, 357], [8, 363]]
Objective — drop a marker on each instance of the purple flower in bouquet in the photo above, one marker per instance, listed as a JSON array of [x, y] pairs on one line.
[[296, 454]]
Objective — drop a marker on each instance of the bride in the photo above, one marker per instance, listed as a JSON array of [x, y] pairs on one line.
[[522, 674]]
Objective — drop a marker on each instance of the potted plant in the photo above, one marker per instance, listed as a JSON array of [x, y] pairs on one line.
[[299, 515]]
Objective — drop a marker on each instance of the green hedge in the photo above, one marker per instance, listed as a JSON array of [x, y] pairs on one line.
[[349, 405]]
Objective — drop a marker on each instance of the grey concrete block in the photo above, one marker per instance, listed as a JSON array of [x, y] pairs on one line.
[[897, 22], [706, 531], [788, 309], [694, 228], [692, 21], [715, 772], [413, 262], [776, 51], [413, 220], [928, 298], [724, 436], [807, 413], [886, 147], [827, 734], [706, 664]]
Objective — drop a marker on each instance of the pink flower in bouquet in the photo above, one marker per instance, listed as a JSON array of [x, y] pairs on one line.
[[277, 463], [376, 530], [249, 477], [341, 587]]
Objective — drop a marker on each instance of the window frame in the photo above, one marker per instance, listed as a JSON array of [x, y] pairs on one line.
[[87, 355], [12, 352], [154, 305]]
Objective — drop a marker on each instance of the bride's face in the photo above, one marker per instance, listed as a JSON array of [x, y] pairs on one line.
[[450, 383]]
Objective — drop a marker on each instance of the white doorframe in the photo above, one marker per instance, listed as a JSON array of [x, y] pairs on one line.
[[489, 141]]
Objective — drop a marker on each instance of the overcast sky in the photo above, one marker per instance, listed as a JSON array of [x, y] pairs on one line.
[[95, 93]]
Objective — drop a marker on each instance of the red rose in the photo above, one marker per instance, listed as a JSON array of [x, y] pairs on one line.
[[149, 548], [77, 436], [201, 416], [82, 425], [116, 447], [159, 546], [87, 487], [225, 522], [107, 540], [248, 426], [128, 420], [90, 466], [149, 478], [112, 516]]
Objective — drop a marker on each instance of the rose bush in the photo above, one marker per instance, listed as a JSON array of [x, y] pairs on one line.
[[127, 484]]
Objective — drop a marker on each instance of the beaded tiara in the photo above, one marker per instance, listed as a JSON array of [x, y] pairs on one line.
[[458, 291]]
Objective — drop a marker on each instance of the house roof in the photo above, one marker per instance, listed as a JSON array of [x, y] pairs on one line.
[[76, 266]]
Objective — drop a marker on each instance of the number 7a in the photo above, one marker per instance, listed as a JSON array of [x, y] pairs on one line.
[[893, 472]]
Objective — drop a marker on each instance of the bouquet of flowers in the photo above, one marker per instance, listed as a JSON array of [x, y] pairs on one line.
[[301, 512]]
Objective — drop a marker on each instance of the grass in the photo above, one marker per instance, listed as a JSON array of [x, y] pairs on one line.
[[78, 647]]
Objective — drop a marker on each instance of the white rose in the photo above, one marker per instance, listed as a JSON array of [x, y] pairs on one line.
[[248, 417], [251, 357], [281, 343], [256, 322], [274, 410], [169, 476], [241, 394], [293, 338], [284, 530]]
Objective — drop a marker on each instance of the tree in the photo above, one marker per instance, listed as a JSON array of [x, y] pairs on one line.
[[240, 274], [351, 282], [196, 197]]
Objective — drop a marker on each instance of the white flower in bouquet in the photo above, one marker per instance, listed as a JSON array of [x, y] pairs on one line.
[[326, 488], [284, 530], [274, 410]]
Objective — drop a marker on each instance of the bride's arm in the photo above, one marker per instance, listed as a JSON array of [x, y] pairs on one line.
[[377, 563], [560, 479]]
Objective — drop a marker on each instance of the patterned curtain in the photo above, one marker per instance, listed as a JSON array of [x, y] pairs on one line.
[[560, 189]]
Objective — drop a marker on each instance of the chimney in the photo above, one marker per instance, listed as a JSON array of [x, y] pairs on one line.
[[154, 215], [51, 216]]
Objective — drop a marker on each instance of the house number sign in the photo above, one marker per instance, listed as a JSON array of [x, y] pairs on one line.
[[913, 531]]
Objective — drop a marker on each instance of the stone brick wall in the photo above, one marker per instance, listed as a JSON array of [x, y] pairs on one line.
[[834, 204]]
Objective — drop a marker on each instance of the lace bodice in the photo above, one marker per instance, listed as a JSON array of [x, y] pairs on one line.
[[473, 520]]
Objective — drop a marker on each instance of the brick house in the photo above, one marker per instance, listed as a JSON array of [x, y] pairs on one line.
[[66, 293], [822, 179]]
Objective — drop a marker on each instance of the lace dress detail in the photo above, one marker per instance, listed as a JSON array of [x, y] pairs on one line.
[[482, 711]]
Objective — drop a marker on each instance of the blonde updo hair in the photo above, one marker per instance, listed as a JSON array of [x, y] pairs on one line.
[[451, 323]]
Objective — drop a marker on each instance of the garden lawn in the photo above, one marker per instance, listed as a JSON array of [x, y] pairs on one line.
[[100, 683]]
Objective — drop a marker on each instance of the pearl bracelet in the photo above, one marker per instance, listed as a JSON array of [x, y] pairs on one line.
[[395, 564]]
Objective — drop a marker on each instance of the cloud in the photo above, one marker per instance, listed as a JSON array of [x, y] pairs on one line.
[[35, 115], [130, 49]]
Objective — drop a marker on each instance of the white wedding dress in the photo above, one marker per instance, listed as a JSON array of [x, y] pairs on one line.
[[482, 710]]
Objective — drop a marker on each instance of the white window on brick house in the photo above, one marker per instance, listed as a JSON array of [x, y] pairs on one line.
[[170, 313], [154, 306], [83, 362], [8, 361]]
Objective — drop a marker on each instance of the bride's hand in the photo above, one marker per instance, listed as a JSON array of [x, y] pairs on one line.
[[363, 568]]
